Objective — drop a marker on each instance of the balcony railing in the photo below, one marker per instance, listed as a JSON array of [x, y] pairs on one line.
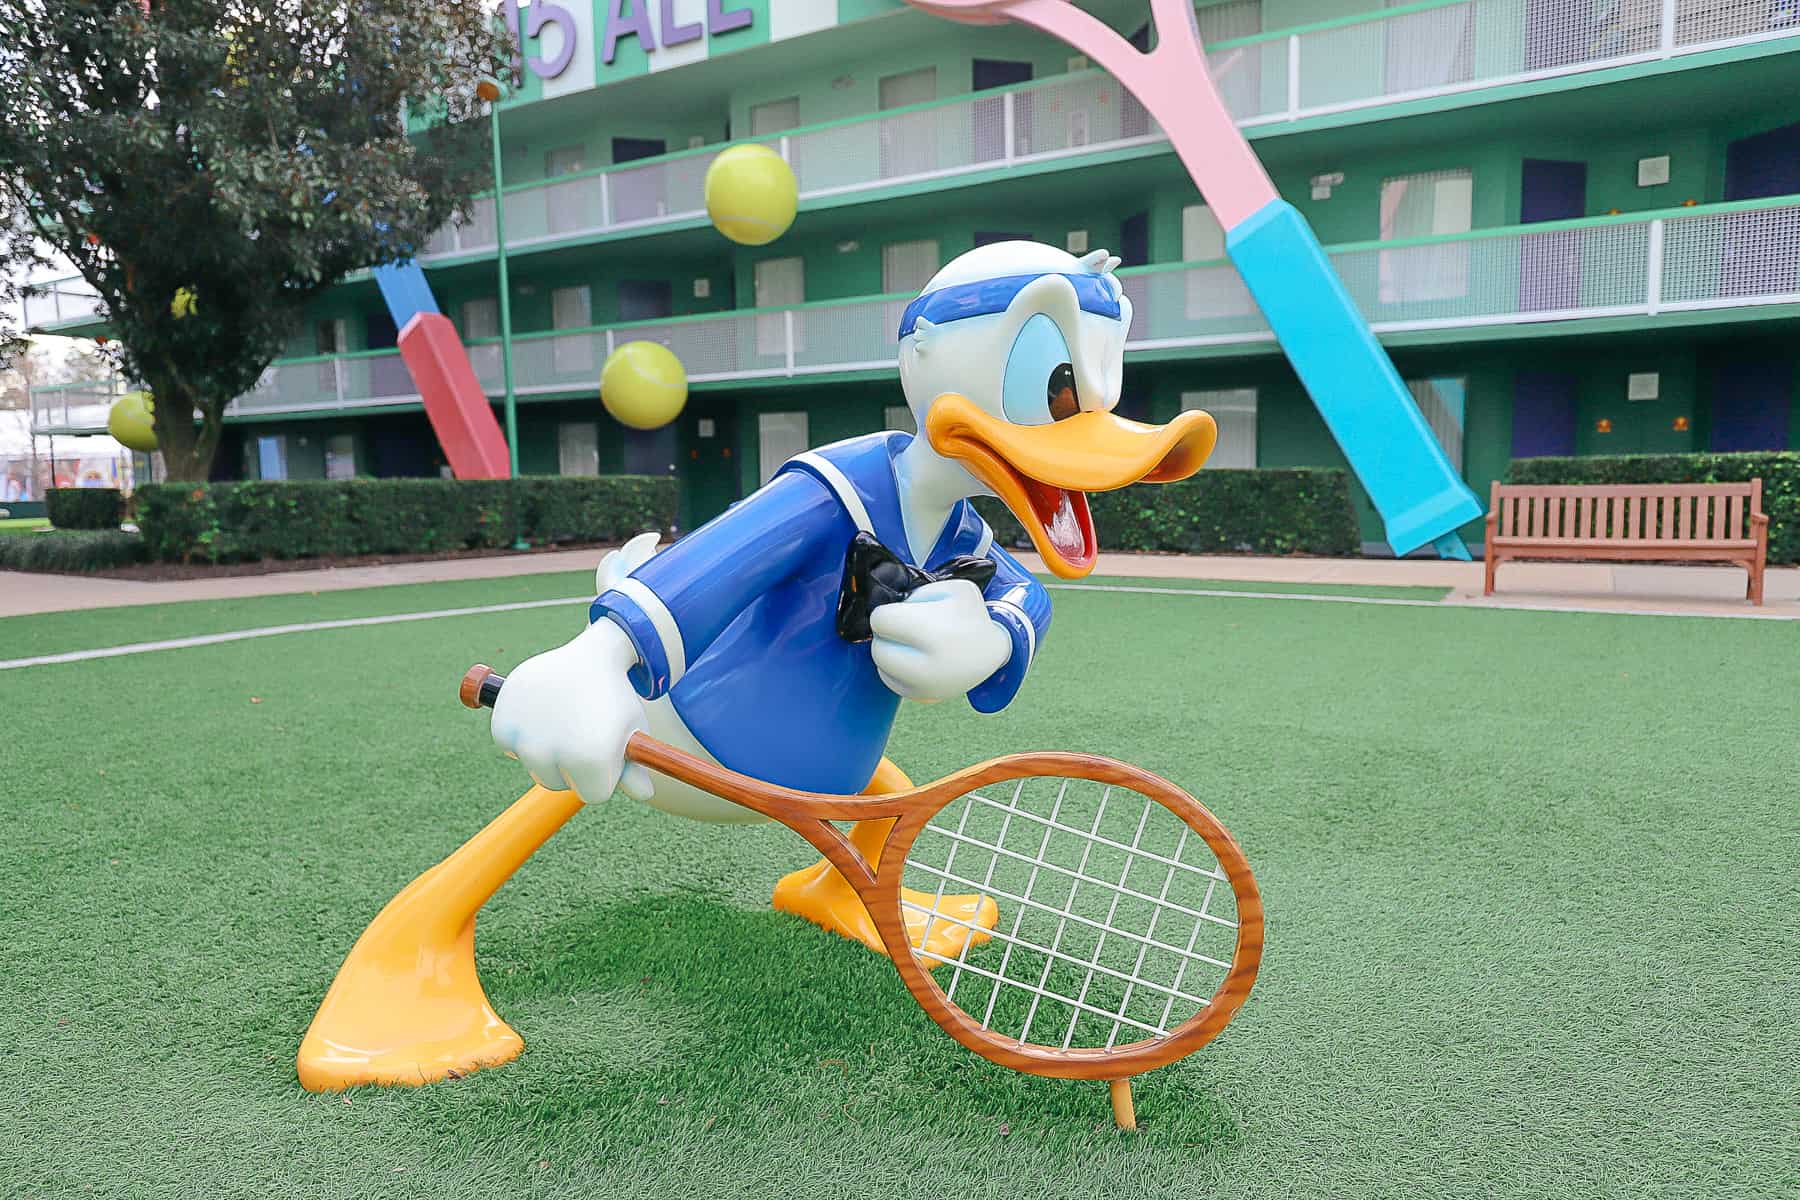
[[1724, 256], [74, 407], [1433, 49], [1418, 52], [60, 302]]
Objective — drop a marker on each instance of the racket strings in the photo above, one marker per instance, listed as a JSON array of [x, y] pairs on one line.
[[1113, 921]]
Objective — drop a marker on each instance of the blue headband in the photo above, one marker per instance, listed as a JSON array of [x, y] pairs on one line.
[[994, 295]]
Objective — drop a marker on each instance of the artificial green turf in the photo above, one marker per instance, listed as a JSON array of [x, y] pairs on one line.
[[1529, 878], [23, 524]]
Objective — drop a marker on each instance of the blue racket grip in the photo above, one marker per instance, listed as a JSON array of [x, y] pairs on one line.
[[1419, 495]]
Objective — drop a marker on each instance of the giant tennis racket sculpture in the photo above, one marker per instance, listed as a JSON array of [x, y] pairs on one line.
[[1419, 494], [1128, 929]]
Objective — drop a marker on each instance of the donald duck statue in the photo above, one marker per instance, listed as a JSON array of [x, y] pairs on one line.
[[731, 644]]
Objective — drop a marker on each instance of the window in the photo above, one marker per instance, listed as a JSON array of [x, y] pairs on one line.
[[565, 208], [1234, 409], [906, 267], [271, 457], [899, 416], [909, 141], [1425, 205], [340, 456], [481, 318], [1442, 402], [1202, 237], [779, 282], [572, 308], [780, 436], [1435, 48], [565, 160], [577, 448], [329, 337], [775, 116], [1238, 76], [1216, 291]]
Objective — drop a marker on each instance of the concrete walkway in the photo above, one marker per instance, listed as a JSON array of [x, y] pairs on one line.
[[1599, 587]]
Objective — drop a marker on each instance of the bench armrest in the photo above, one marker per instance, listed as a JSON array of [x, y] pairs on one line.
[[1757, 519]]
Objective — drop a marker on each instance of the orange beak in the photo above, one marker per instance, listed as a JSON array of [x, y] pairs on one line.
[[1044, 472]]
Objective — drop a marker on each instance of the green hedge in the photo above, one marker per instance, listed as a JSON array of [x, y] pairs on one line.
[[1778, 469], [70, 550], [85, 508], [1303, 510], [234, 522]]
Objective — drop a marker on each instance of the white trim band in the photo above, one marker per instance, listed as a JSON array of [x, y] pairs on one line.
[[667, 631], [987, 534], [1013, 610], [840, 483]]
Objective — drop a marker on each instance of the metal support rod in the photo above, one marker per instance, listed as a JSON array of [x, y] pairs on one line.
[[506, 353]]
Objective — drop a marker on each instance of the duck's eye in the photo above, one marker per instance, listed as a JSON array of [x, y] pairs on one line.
[[1040, 380]]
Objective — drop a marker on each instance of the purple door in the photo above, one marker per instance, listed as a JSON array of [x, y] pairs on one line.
[[1767, 164], [1543, 413], [1550, 263], [990, 115], [1750, 405]]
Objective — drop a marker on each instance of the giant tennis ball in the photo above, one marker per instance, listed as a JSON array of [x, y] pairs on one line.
[[643, 385], [751, 195], [132, 423]]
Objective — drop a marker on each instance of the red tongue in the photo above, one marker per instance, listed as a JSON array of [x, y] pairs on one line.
[[1066, 521]]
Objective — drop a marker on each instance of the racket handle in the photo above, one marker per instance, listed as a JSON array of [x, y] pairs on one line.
[[1419, 494], [481, 686], [1124, 1112]]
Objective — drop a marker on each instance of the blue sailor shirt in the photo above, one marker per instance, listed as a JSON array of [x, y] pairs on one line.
[[736, 622]]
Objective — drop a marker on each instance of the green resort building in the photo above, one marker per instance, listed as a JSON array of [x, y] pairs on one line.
[[1574, 223]]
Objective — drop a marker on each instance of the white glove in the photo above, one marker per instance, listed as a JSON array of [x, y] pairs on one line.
[[567, 714], [621, 562], [937, 643]]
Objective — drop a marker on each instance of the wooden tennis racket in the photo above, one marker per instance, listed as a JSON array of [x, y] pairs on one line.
[[1129, 926]]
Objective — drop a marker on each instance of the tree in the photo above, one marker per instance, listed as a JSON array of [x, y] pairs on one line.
[[209, 166]]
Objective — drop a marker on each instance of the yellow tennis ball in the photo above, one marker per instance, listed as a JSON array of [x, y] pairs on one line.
[[643, 385], [751, 194], [132, 423]]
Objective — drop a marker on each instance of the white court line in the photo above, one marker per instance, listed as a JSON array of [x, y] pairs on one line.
[[1445, 603], [240, 635], [244, 635]]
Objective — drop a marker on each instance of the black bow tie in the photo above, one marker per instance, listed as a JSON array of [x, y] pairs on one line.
[[874, 575]]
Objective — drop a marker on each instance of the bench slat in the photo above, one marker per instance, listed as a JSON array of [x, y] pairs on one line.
[[1622, 489], [1641, 544]]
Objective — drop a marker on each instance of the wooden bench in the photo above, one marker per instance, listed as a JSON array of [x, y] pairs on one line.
[[1698, 522]]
